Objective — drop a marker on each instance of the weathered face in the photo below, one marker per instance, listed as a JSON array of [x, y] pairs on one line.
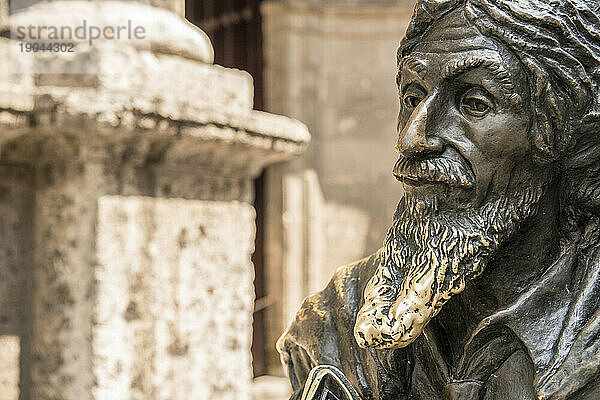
[[464, 118], [469, 176]]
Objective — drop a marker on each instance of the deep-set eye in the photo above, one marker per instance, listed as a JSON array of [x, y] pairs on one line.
[[476, 103], [411, 100], [412, 94]]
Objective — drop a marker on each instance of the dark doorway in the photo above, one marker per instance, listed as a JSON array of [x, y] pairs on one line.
[[235, 30]]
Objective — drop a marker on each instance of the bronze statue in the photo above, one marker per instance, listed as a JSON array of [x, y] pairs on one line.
[[488, 282]]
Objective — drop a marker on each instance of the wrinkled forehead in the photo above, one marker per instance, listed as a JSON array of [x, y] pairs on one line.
[[454, 33], [453, 39]]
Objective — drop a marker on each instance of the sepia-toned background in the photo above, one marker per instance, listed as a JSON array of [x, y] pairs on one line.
[[167, 203]]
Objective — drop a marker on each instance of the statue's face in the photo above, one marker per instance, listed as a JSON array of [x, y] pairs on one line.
[[469, 176], [464, 118]]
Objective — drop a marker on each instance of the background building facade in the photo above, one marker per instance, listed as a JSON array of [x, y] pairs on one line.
[[331, 65]]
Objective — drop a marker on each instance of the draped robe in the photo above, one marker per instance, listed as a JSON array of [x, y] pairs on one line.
[[546, 344]]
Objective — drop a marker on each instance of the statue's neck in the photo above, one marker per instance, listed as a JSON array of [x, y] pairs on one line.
[[521, 260], [518, 263]]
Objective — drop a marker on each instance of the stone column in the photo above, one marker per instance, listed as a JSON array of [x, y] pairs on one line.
[[3, 11], [126, 213], [331, 64]]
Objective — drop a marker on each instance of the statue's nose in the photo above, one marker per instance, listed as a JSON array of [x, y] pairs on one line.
[[417, 139]]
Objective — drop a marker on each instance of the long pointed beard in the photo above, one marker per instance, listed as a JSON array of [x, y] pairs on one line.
[[428, 257]]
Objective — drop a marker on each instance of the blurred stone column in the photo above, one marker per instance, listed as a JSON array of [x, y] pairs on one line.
[[3, 11], [331, 64], [126, 173]]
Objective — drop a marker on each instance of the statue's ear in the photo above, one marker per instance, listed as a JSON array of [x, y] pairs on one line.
[[552, 110], [582, 164]]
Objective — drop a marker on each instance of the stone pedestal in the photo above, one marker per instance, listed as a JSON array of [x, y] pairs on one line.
[[125, 212], [332, 64]]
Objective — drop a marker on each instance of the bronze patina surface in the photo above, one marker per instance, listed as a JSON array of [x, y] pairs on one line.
[[488, 282]]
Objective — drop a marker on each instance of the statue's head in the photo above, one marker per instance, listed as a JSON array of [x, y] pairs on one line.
[[499, 106]]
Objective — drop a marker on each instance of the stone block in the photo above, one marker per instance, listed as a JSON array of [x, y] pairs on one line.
[[174, 299], [10, 348]]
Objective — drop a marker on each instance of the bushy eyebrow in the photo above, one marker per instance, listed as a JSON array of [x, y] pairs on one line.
[[413, 64], [457, 67]]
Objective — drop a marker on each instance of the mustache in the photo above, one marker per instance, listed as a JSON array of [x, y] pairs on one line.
[[451, 172]]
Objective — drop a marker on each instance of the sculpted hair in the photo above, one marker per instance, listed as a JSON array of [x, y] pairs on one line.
[[558, 43]]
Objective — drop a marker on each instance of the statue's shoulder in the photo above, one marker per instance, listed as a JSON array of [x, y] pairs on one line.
[[342, 297], [324, 313]]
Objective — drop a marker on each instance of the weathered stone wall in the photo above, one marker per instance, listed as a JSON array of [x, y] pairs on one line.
[[125, 212], [171, 290], [331, 64]]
